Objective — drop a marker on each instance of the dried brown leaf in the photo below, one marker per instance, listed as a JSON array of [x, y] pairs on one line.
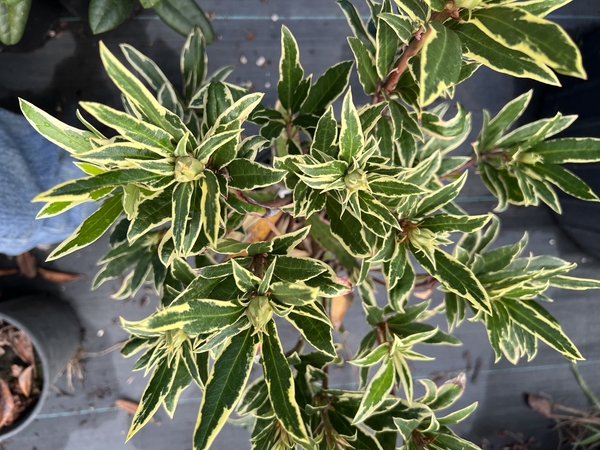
[[26, 381], [423, 295], [127, 405], [7, 404], [5, 272], [55, 276], [339, 306], [259, 230], [22, 346], [27, 264], [15, 370], [540, 405]]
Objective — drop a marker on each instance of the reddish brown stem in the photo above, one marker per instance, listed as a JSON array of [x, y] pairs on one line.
[[412, 50]]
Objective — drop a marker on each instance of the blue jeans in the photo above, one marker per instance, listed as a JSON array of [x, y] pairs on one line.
[[29, 164]]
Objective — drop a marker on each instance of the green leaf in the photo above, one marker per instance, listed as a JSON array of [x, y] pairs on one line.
[[217, 100], [283, 244], [247, 175], [347, 228], [535, 319], [498, 258], [147, 68], [401, 26], [376, 391], [437, 199], [352, 139], [181, 381], [416, 9], [457, 278], [92, 228], [130, 127], [450, 441], [575, 284], [157, 389], [565, 180], [14, 15], [322, 234], [105, 15], [183, 15], [440, 62], [390, 187], [280, 384], [330, 169], [210, 206], [149, 3], [152, 212], [568, 150], [538, 38], [66, 137], [240, 110], [369, 116], [194, 317], [225, 386], [367, 73], [182, 202], [245, 280], [457, 416], [118, 153], [213, 143], [542, 8], [293, 269], [387, 44], [373, 357], [290, 70], [507, 116], [357, 26], [135, 91], [327, 88], [193, 62], [293, 294], [479, 47], [448, 223], [316, 333]]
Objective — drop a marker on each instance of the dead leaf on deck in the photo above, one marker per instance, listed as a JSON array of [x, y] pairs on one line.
[[339, 306], [55, 276], [540, 405], [22, 346], [26, 381], [129, 406], [7, 404], [27, 264]]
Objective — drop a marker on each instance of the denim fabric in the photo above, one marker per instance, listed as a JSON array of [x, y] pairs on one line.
[[29, 164]]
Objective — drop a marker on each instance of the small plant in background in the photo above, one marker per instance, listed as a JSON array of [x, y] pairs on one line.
[[234, 245], [105, 15]]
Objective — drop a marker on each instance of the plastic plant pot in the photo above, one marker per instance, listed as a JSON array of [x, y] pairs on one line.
[[54, 331]]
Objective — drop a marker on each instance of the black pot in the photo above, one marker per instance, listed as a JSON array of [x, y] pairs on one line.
[[55, 334]]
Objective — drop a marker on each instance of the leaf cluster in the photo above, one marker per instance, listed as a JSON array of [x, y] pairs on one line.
[[105, 15], [345, 205]]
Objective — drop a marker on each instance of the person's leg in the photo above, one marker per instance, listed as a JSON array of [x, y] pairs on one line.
[[29, 164]]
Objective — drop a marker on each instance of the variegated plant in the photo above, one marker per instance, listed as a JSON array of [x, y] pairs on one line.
[[347, 203]]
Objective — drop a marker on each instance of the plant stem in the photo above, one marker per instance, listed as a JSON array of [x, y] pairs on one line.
[[412, 50]]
